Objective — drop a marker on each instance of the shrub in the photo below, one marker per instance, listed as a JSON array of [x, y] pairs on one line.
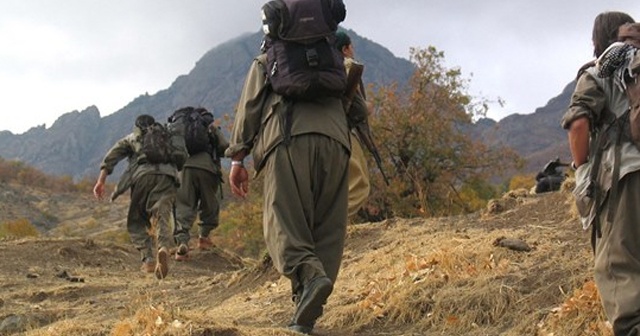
[[18, 228]]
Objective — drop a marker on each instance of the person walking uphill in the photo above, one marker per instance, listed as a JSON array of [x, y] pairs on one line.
[[154, 157], [200, 179], [301, 146], [608, 177]]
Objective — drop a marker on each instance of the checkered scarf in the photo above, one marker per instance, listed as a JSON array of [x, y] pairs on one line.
[[615, 62]]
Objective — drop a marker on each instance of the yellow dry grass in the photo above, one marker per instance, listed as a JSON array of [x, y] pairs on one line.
[[442, 276]]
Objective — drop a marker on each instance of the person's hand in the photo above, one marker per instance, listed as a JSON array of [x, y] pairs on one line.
[[98, 190], [239, 180]]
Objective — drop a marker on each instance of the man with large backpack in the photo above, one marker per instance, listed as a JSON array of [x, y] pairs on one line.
[[155, 155], [607, 164], [201, 178], [290, 118]]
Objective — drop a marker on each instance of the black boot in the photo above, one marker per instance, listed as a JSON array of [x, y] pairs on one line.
[[309, 305]]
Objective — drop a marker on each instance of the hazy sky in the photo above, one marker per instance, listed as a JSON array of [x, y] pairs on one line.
[[61, 56]]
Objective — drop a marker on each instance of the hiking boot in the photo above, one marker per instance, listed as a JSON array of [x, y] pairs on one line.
[[182, 253], [162, 267], [148, 265], [309, 308], [204, 243]]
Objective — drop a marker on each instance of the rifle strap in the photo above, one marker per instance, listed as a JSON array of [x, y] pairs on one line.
[[612, 135], [596, 149], [287, 121], [623, 127], [594, 188]]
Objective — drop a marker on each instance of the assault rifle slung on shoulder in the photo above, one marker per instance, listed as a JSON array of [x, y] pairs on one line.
[[360, 122]]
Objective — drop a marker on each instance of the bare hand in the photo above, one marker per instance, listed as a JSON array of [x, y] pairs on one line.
[[98, 190], [239, 181]]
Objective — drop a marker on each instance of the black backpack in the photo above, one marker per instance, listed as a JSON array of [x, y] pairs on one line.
[[302, 62], [156, 144], [193, 124]]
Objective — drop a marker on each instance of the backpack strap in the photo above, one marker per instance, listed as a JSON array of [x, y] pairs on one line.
[[287, 115]]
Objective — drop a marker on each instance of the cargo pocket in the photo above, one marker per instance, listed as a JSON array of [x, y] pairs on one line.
[[584, 195]]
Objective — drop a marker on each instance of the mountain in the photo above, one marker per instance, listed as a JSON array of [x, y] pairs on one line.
[[75, 144], [537, 137]]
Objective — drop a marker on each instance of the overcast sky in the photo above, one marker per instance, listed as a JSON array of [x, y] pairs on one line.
[[57, 56]]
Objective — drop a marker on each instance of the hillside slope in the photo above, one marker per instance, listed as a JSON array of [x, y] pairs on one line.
[[443, 276], [537, 137]]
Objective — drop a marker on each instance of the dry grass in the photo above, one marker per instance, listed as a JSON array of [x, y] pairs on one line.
[[18, 228], [463, 285], [577, 314], [440, 276]]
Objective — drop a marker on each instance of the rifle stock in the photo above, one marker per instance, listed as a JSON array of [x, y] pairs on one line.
[[353, 80], [359, 122]]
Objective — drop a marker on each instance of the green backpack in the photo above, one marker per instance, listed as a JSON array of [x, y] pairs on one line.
[[160, 145]]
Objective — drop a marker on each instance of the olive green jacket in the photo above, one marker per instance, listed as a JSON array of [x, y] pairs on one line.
[[259, 122], [129, 148], [592, 97]]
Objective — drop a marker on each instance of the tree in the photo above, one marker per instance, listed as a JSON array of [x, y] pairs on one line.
[[436, 167]]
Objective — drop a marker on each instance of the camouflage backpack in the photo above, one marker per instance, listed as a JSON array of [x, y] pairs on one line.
[[193, 124], [156, 144]]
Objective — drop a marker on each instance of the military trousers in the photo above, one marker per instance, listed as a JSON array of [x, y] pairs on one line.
[[198, 195], [305, 207], [617, 258], [359, 184], [150, 211]]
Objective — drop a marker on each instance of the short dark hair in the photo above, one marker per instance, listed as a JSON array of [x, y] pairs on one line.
[[144, 120], [605, 30], [342, 40]]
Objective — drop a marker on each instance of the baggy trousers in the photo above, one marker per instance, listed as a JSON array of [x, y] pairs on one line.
[[617, 258], [359, 184], [197, 195], [152, 198], [305, 207]]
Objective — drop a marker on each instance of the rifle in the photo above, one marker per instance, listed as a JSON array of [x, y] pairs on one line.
[[360, 122]]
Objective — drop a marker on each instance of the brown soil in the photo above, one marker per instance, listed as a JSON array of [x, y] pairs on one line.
[[520, 268]]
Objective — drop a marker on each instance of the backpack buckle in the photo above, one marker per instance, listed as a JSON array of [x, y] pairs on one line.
[[312, 57]]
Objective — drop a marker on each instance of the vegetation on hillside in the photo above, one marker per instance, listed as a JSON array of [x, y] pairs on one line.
[[34, 216], [19, 172], [18, 228], [444, 275], [435, 166]]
